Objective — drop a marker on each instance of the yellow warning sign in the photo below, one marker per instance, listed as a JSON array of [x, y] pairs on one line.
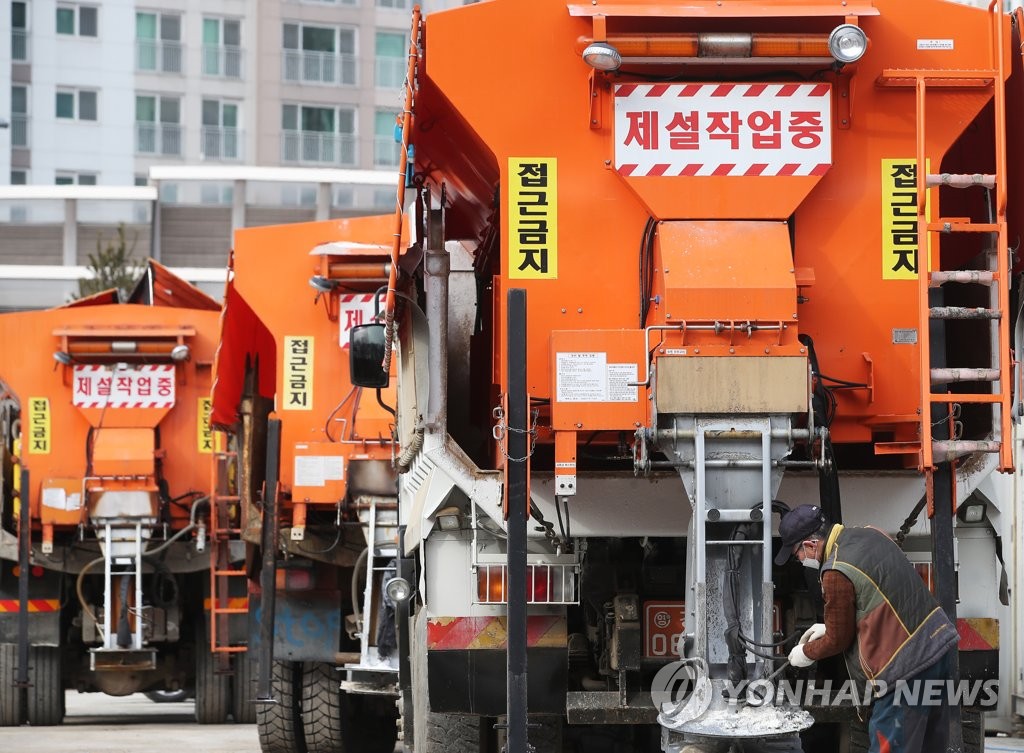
[[298, 373], [39, 426], [204, 433], [532, 218], [900, 241]]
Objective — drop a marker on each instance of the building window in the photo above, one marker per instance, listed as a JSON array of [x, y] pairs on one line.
[[319, 54], [319, 135], [399, 4], [222, 47], [386, 151], [383, 198], [69, 178], [390, 61], [19, 178], [76, 104], [19, 31], [80, 20], [158, 125], [141, 180], [158, 42], [19, 116], [220, 130]]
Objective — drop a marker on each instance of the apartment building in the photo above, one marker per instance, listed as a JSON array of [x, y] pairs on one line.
[[101, 90]]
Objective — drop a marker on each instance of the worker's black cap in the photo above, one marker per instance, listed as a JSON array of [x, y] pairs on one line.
[[796, 526]]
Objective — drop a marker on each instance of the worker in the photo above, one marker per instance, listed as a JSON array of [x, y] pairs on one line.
[[879, 613]]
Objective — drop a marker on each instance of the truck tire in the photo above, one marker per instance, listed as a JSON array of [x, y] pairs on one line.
[[45, 694], [325, 721], [12, 699], [243, 690], [280, 724], [972, 723], [435, 732], [213, 690]]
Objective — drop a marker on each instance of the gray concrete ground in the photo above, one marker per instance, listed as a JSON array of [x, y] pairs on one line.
[[100, 724]]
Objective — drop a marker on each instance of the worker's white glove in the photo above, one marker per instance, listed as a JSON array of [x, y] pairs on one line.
[[798, 658], [813, 633]]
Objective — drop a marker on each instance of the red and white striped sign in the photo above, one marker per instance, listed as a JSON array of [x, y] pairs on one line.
[[97, 386], [723, 129], [355, 309]]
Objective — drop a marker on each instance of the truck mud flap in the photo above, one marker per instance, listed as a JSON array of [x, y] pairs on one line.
[[471, 681], [43, 607], [307, 625]]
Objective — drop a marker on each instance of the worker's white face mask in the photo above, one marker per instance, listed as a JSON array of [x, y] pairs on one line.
[[811, 557]]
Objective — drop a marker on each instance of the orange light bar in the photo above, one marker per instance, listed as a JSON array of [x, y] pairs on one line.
[[121, 347], [716, 45]]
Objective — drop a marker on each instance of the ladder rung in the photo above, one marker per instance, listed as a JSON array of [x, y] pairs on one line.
[[952, 397], [951, 449], [229, 572], [226, 498], [962, 312], [963, 276], [949, 226], [231, 649], [226, 454], [230, 610], [948, 376], [960, 180]]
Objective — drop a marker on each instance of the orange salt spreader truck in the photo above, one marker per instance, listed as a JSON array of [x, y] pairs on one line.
[[315, 482], [106, 455], [728, 256]]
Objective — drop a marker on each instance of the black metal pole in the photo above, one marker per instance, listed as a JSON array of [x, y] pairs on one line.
[[944, 576], [517, 451], [268, 567], [24, 549]]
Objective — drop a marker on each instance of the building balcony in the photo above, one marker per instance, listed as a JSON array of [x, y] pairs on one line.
[[390, 73], [318, 148], [222, 60], [19, 131], [386, 152], [159, 56], [221, 143], [158, 139], [309, 67], [19, 45]]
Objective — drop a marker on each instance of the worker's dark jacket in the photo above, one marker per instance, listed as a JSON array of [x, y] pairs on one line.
[[901, 629]]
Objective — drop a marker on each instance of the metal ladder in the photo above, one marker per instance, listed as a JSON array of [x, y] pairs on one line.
[[221, 572], [995, 275]]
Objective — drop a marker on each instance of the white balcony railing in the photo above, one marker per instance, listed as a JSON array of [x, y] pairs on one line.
[[390, 73], [19, 45], [386, 152], [319, 67], [319, 148], [221, 143], [158, 56], [159, 139], [19, 130], [222, 60]]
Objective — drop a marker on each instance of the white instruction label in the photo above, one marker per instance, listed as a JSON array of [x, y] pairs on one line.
[[906, 336], [935, 44], [334, 468], [309, 470], [55, 498], [588, 378]]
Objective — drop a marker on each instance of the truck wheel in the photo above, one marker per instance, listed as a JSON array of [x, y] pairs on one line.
[[434, 732], [377, 731], [324, 709], [213, 691], [12, 699], [280, 724], [45, 694], [973, 726], [243, 690]]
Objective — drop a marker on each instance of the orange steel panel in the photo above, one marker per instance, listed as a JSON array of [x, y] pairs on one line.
[[592, 371], [269, 305], [835, 220], [35, 335], [707, 271], [60, 501], [123, 452]]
